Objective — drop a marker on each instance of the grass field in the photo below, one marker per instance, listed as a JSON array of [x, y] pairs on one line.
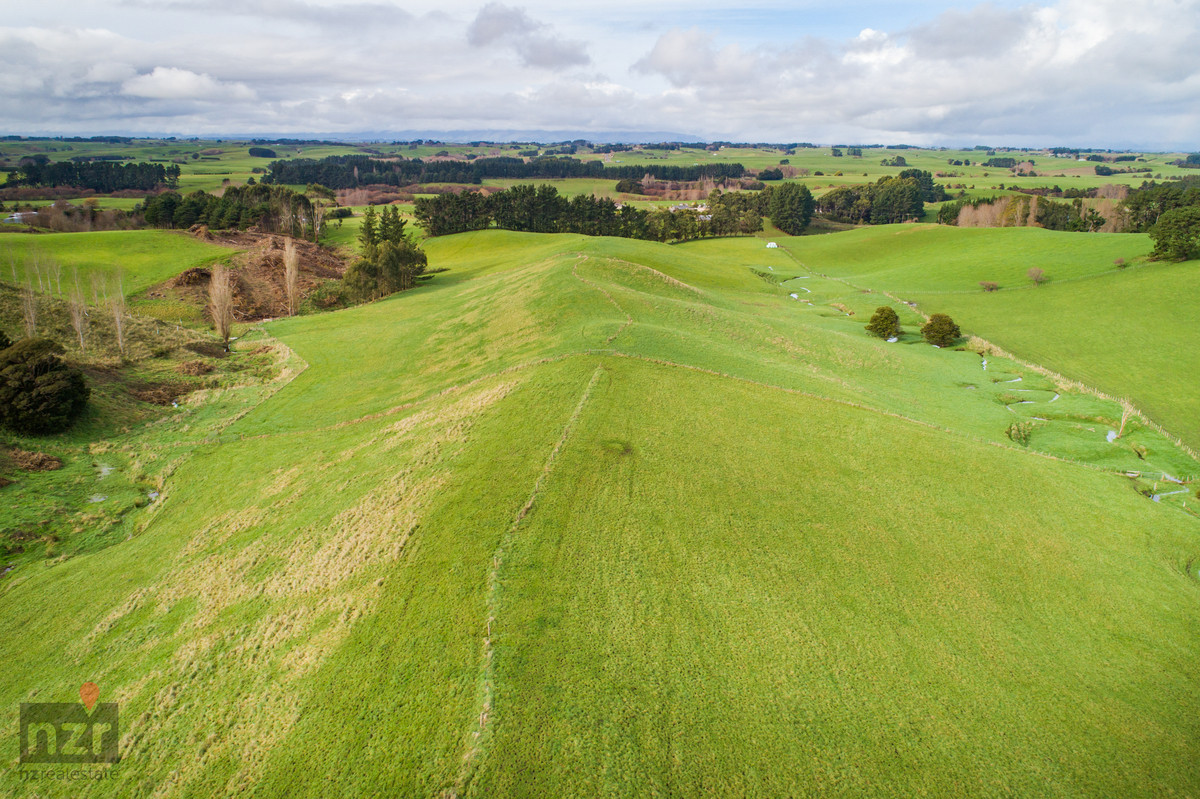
[[592, 517], [207, 164], [141, 257], [1130, 334], [1126, 331]]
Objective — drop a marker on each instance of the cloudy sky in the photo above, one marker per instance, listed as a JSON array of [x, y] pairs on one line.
[[1106, 73]]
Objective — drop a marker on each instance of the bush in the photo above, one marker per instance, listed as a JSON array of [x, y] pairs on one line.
[[1019, 432], [885, 323], [941, 330], [39, 393], [988, 285], [5, 341]]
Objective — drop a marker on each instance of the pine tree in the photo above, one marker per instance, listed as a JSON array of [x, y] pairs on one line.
[[885, 323], [368, 233], [941, 330]]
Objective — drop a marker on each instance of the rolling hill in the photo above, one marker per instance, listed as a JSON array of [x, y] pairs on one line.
[[597, 517]]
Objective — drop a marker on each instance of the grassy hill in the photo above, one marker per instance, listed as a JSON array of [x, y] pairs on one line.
[[603, 517], [1126, 330], [142, 257]]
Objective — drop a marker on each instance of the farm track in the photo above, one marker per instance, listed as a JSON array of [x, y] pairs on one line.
[[477, 743], [628, 319]]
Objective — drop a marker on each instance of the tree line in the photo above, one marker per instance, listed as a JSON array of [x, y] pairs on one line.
[[888, 200], [542, 209], [352, 171], [273, 209], [1147, 203], [1170, 213], [100, 176], [1025, 209]]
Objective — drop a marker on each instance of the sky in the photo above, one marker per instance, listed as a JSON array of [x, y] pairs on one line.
[[1092, 73]]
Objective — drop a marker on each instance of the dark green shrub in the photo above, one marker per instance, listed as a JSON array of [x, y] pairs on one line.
[[5, 341], [941, 330], [885, 323], [39, 393]]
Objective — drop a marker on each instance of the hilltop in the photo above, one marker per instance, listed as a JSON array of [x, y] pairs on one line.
[[597, 516]]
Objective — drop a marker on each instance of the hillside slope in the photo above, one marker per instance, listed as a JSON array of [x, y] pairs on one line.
[[599, 517], [1126, 329]]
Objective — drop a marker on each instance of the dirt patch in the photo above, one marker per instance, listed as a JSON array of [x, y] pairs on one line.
[[196, 276], [162, 393], [194, 368], [259, 290], [34, 461], [209, 349]]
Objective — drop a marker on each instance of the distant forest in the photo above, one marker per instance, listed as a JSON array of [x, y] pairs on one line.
[[99, 176], [352, 171]]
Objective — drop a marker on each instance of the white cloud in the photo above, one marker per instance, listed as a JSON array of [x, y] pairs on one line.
[[536, 43], [1061, 71], [109, 72], [171, 83]]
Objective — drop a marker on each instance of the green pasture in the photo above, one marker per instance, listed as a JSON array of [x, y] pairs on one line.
[[1125, 330], [1131, 334], [942, 258], [141, 258], [206, 164], [603, 517]]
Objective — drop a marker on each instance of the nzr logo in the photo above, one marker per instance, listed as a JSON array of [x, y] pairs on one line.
[[70, 732]]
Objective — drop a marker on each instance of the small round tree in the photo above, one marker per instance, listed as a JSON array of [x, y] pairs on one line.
[[39, 393], [941, 330], [885, 323]]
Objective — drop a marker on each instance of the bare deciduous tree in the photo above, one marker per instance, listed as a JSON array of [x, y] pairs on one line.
[[220, 302], [37, 271], [12, 264], [116, 304], [77, 308], [1127, 411], [291, 276], [54, 270], [29, 308], [1037, 276], [318, 208]]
